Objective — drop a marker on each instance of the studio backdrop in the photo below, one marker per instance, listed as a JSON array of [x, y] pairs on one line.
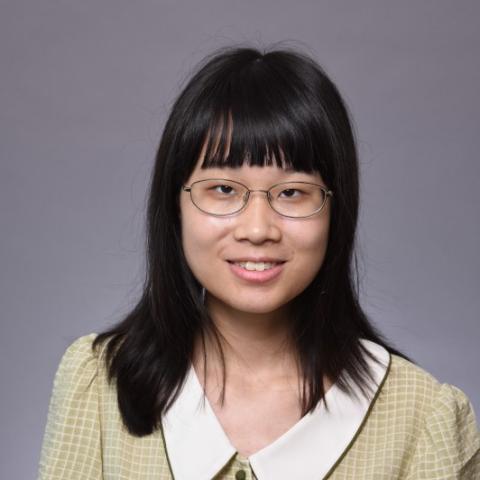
[[85, 90]]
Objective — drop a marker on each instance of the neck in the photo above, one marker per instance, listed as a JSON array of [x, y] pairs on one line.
[[257, 347]]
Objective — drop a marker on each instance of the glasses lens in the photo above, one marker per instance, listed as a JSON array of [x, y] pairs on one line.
[[218, 196], [297, 199]]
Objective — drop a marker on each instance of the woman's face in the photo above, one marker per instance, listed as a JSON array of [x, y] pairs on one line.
[[212, 243]]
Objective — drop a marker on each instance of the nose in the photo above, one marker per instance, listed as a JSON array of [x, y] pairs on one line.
[[257, 222]]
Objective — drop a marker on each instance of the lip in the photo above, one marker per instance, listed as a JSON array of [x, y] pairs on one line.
[[254, 276], [256, 259]]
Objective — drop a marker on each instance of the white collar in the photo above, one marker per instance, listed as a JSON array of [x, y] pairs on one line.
[[198, 448]]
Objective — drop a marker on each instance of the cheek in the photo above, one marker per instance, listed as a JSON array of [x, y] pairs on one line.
[[200, 239], [308, 236], [309, 244]]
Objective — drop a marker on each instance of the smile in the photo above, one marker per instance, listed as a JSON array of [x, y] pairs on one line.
[[256, 266], [254, 272]]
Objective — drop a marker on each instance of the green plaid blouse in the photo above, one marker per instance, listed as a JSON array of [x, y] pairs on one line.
[[413, 428]]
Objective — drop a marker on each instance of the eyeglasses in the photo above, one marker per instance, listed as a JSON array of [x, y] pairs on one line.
[[221, 197]]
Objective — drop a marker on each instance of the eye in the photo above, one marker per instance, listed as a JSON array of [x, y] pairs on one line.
[[224, 189], [290, 193]]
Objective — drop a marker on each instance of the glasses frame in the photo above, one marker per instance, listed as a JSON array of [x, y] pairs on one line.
[[327, 192]]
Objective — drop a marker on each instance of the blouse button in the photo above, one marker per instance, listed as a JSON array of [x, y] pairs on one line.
[[240, 475]]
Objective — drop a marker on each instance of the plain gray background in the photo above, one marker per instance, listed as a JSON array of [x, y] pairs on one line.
[[86, 87]]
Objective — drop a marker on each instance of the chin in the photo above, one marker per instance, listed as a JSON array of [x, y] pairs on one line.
[[258, 310], [260, 305]]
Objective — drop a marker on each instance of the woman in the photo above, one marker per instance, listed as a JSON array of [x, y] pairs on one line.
[[248, 355]]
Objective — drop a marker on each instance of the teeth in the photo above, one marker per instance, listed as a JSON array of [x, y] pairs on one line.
[[259, 267]]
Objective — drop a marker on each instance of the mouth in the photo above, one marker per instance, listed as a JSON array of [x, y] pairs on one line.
[[252, 266], [256, 272]]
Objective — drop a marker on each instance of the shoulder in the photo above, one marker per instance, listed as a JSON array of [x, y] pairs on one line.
[[77, 370], [79, 356], [81, 370], [407, 377], [409, 382], [80, 349], [73, 422], [441, 417]]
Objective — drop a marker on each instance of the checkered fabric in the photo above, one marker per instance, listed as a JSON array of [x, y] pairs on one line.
[[417, 428]]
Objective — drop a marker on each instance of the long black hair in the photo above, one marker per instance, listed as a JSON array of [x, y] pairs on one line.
[[283, 108]]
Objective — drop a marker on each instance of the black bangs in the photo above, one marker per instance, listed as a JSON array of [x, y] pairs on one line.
[[262, 113]]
